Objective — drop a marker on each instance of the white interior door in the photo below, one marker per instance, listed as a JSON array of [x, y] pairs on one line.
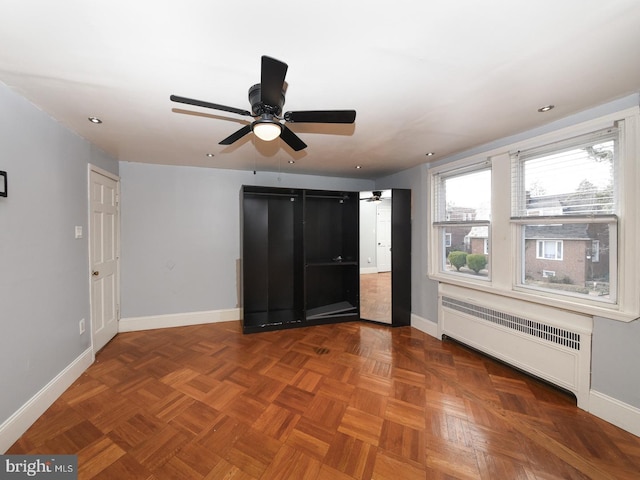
[[104, 248], [383, 236]]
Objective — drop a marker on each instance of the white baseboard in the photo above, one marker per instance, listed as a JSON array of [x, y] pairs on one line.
[[134, 324], [424, 325], [614, 411], [18, 423], [367, 270]]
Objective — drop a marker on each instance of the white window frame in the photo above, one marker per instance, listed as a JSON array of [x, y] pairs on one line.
[[440, 256], [522, 219], [508, 238]]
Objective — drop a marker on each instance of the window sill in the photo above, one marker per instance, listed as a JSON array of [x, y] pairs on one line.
[[613, 312]]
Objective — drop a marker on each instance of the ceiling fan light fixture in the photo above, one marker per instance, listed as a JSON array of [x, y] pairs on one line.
[[266, 130]]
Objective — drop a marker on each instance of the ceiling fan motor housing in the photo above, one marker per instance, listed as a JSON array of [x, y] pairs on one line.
[[258, 108]]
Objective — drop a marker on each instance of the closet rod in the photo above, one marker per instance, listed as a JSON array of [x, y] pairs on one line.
[[261, 194]]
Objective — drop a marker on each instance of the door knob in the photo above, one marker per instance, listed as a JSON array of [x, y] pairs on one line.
[[95, 273]]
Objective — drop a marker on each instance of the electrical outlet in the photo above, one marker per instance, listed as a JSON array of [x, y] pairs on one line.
[[81, 326]]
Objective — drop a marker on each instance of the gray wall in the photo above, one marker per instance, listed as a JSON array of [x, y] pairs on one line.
[[615, 361], [180, 240], [44, 270], [424, 292]]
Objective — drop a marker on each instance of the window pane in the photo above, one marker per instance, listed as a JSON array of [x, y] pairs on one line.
[[570, 257], [465, 197], [575, 181], [463, 209], [468, 252]]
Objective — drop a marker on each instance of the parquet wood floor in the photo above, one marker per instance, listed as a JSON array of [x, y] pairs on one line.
[[334, 402], [375, 297]]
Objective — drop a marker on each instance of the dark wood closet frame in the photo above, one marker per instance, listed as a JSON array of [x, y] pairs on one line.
[[300, 257]]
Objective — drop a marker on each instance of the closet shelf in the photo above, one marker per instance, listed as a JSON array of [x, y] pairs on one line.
[[329, 263], [331, 310]]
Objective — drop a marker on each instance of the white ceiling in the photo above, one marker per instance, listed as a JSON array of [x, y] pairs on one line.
[[439, 75]]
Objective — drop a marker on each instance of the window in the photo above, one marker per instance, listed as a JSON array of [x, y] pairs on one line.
[[550, 219], [462, 220], [549, 249], [447, 239], [565, 205], [595, 251]]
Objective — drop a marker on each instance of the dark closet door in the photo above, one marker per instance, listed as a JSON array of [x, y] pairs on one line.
[[401, 257]]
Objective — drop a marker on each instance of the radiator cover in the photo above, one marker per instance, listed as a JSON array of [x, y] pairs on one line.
[[549, 343]]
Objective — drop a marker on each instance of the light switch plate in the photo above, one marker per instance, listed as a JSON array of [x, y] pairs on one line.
[[78, 231]]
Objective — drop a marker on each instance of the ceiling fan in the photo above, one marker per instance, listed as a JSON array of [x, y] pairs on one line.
[[376, 196], [266, 99]]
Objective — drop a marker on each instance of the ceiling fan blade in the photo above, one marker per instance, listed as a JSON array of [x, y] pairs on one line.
[[271, 81], [234, 137], [200, 103], [292, 139], [321, 116]]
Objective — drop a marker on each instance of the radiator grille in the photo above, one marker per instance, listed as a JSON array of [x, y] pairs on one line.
[[537, 329]]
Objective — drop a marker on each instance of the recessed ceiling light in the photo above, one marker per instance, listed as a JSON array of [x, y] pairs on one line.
[[95, 120], [430, 154], [546, 108], [210, 155], [358, 167], [291, 162]]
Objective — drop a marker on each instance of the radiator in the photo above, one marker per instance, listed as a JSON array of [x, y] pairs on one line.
[[549, 343]]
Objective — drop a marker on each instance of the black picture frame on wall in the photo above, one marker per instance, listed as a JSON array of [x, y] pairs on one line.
[[3, 184]]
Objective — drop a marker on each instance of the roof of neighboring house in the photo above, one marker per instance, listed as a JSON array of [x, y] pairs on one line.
[[567, 231], [478, 232]]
